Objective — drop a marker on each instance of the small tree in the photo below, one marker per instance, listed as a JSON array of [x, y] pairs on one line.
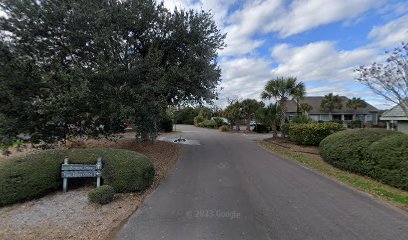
[[389, 79], [356, 103], [269, 116], [249, 108], [282, 89], [233, 113], [305, 108], [331, 102]]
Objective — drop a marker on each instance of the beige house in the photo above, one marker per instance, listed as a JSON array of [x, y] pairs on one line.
[[396, 119], [368, 114]]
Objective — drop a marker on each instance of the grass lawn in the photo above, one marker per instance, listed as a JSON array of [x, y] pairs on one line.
[[393, 195]]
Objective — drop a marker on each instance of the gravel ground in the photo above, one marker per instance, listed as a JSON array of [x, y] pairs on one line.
[[70, 216]]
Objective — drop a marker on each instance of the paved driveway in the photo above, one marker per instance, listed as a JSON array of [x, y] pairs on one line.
[[229, 188]]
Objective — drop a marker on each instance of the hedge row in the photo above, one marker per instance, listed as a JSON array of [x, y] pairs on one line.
[[34, 175], [377, 153], [312, 133]]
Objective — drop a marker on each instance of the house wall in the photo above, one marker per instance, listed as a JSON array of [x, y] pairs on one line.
[[403, 126]]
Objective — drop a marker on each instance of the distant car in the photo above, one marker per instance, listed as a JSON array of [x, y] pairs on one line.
[[252, 123]]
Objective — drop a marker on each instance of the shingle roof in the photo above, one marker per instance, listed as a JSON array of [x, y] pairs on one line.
[[315, 102], [395, 112]]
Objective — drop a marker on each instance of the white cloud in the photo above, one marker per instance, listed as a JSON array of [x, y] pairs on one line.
[[319, 61], [392, 33], [304, 15]]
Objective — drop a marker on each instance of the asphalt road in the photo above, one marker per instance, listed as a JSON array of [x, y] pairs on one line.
[[230, 188]]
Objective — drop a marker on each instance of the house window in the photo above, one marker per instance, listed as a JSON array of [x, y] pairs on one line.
[[324, 118], [314, 117], [348, 117]]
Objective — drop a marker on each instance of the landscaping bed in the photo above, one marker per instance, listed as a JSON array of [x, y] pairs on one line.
[[70, 215]]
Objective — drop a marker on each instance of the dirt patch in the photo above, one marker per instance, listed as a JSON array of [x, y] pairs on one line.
[[70, 216], [294, 147]]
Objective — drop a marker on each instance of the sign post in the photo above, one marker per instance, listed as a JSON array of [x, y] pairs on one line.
[[80, 171]]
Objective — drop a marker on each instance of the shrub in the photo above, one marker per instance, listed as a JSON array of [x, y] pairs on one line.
[[348, 149], [224, 128], [166, 124], [356, 124], [285, 129], [260, 128], [389, 157], [209, 124], [337, 121], [312, 133], [34, 175], [301, 119], [198, 119], [101, 195], [218, 122]]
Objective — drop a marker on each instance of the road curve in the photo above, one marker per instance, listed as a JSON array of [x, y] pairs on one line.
[[230, 188]]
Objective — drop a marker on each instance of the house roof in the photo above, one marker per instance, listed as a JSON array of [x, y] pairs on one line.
[[395, 113], [315, 102]]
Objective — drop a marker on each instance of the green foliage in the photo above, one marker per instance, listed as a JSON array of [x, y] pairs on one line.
[[224, 128], [337, 121], [305, 107], [389, 159], [186, 115], [356, 103], [208, 124], [88, 74], [197, 120], [218, 122], [312, 133], [34, 175], [348, 149], [233, 112], [268, 116], [285, 129], [166, 124], [301, 119], [356, 124], [102, 195], [249, 108], [331, 102]]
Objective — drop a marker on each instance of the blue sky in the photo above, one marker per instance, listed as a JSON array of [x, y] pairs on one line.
[[318, 41]]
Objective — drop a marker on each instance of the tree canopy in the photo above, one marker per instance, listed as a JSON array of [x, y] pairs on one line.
[[72, 73], [331, 102]]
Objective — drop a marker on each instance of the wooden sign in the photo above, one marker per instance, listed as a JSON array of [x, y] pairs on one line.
[[80, 171]]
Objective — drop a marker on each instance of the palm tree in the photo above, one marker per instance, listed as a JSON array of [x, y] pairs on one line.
[[268, 116], [356, 103], [305, 108], [298, 95], [249, 108], [282, 89], [331, 102]]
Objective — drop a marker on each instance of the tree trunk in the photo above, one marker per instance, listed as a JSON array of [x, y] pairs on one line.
[[237, 127], [248, 127], [283, 111], [274, 130]]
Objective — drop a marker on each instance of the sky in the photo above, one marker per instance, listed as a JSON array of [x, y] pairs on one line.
[[318, 41]]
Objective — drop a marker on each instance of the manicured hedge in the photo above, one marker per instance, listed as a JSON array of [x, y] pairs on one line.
[[101, 195], [348, 149], [389, 158], [34, 175], [312, 133]]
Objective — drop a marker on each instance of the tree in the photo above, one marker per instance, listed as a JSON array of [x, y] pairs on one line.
[[233, 112], [128, 61], [356, 103], [331, 102], [282, 89], [389, 79], [298, 94], [305, 108], [249, 108], [269, 116]]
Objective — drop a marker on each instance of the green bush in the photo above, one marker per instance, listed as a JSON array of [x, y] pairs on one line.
[[337, 121], [260, 128], [166, 124], [101, 195], [209, 124], [348, 149], [312, 133], [34, 175], [224, 128], [198, 119], [301, 119], [356, 124], [285, 129], [218, 122], [389, 158]]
